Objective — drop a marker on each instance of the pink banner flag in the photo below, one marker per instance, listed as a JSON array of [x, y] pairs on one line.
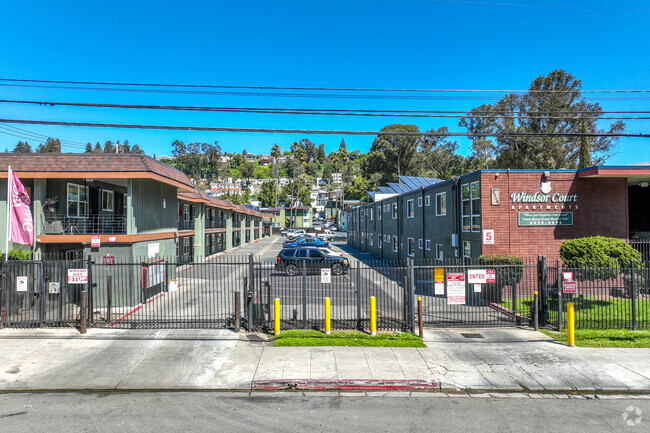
[[22, 224]]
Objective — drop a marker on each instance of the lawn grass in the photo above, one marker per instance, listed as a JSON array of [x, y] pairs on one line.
[[592, 312], [605, 337], [298, 337]]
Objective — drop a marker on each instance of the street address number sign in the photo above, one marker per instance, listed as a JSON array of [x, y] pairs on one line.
[[77, 276]]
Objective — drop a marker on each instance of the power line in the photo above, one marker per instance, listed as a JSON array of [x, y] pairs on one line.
[[321, 132], [37, 136], [3, 131], [344, 89], [331, 112], [486, 3], [299, 95]]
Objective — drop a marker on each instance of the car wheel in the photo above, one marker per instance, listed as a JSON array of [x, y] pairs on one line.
[[291, 270], [337, 269]]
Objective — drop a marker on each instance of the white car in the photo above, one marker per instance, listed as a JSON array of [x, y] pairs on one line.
[[331, 252], [327, 234]]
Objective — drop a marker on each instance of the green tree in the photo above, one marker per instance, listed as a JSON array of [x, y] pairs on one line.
[[23, 147], [109, 147], [98, 148], [392, 155], [553, 104], [52, 145], [585, 151], [89, 148], [136, 149], [358, 188], [438, 156], [247, 169], [269, 194]]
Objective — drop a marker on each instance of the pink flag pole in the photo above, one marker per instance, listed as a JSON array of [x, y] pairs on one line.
[[8, 231]]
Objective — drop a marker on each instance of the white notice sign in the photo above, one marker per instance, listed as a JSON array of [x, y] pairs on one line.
[[153, 249], [488, 237], [439, 288], [54, 287], [476, 276], [326, 276], [77, 276], [173, 285], [21, 284], [477, 288], [455, 288]]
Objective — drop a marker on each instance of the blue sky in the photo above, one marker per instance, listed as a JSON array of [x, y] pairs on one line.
[[396, 44]]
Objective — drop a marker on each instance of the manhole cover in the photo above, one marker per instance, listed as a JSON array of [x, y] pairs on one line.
[[471, 335]]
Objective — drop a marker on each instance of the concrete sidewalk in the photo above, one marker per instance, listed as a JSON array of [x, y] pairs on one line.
[[503, 360]]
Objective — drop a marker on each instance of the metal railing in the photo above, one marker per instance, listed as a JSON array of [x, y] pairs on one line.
[[215, 223], [186, 224], [91, 224]]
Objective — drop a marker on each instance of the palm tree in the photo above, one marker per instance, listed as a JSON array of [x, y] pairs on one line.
[[275, 153]]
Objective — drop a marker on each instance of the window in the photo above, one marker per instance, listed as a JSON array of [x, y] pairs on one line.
[[394, 211], [370, 214], [315, 253], [186, 212], [187, 245], [363, 237], [427, 200], [385, 208], [379, 241], [441, 204], [379, 213], [370, 238], [395, 244], [107, 200], [471, 197], [411, 246], [439, 254], [301, 253], [410, 209], [428, 245], [77, 200], [420, 244], [419, 201], [467, 249]]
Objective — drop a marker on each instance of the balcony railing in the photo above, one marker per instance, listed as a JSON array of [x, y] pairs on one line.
[[91, 224], [215, 223], [186, 225]]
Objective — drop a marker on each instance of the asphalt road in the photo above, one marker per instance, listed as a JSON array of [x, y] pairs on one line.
[[199, 411]]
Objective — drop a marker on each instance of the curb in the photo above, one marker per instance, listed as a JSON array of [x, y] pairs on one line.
[[345, 385]]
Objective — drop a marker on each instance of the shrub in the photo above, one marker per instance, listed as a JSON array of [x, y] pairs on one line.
[[602, 257], [507, 269], [19, 254]]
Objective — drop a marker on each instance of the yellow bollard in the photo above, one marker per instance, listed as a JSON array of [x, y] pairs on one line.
[[373, 316], [276, 315], [328, 323], [571, 324]]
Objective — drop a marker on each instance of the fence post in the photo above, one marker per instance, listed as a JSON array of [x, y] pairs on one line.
[[109, 297], [515, 316], [411, 295], [420, 324], [3, 293], [541, 288], [633, 293], [559, 297], [251, 295], [304, 294], [83, 322], [89, 304], [358, 287], [237, 324], [536, 309]]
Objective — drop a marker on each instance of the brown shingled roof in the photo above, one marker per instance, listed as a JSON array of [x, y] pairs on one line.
[[44, 165]]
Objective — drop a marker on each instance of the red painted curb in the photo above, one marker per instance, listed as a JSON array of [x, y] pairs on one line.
[[346, 384]]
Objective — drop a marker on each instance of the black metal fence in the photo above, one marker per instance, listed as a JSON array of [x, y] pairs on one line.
[[228, 290]]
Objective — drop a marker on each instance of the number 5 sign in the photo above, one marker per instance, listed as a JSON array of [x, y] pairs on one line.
[[488, 237]]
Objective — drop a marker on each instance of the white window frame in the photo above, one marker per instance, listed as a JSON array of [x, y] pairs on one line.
[[394, 210], [410, 204], [378, 213], [111, 194], [427, 245], [419, 201], [67, 200], [370, 214], [467, 244], [395, 244], [473, 213], [409, 242], [379, 241], [438, 212], [427, 200], [370, 239], [439, 252], [363, 237], [420, 244]]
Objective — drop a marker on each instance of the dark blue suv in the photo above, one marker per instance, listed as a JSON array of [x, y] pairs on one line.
[[290, 261]]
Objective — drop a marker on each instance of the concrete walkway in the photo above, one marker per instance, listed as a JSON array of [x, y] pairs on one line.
[[503, 360]]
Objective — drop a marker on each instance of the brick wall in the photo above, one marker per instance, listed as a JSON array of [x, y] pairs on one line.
[[601, 209]]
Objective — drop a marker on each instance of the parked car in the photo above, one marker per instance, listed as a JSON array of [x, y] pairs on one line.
[[331, 252], [286, 233], [307, 242], [290, 261], [293, 232], [297, 238], [327, 234]]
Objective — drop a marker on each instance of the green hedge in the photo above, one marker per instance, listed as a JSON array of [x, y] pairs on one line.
[[598, 257]]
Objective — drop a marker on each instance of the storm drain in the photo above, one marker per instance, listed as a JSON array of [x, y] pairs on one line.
[[256, 338], [471, 335]]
